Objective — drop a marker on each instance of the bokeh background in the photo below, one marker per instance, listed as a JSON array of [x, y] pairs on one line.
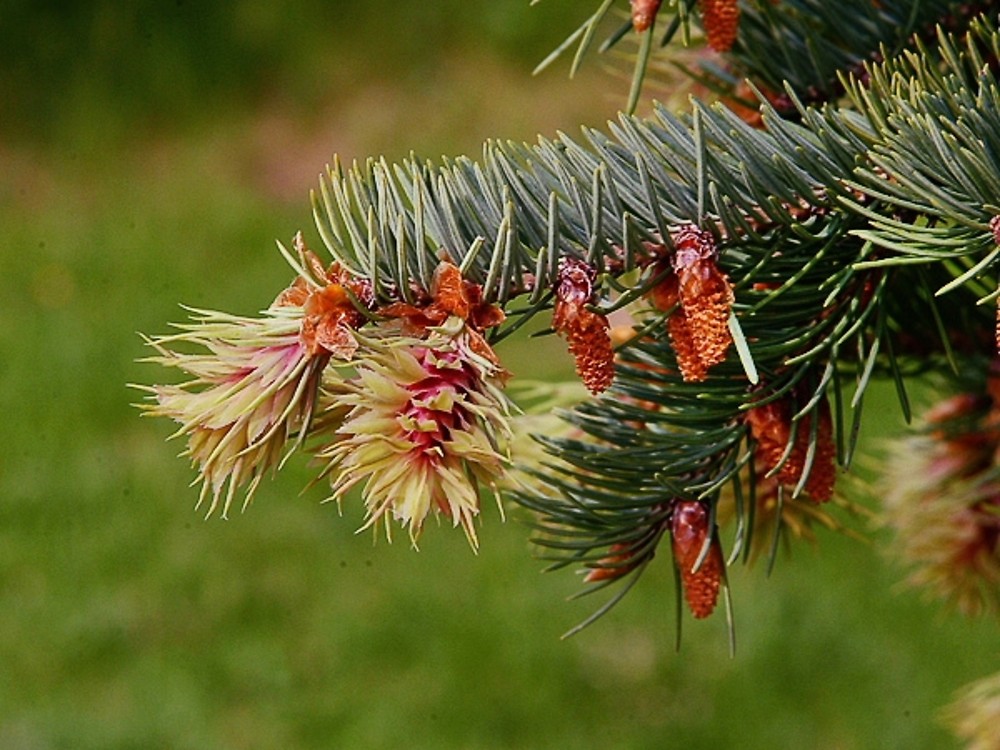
[[150, 154]]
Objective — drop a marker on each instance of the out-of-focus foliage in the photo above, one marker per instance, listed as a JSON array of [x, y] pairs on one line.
[[144, 62]]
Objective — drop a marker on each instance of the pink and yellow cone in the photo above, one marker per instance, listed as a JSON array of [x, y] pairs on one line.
[[975, 715], [250, 395], [942, 499], [427, 426], [253, 384], [412, 407]]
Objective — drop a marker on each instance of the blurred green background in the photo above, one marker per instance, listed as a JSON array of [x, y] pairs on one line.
[[150, 153]]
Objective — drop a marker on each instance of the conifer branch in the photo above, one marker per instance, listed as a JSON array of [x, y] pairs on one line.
[[770, 274], [818, 225]]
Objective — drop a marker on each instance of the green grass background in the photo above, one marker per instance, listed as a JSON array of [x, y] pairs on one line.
[[150, 156]]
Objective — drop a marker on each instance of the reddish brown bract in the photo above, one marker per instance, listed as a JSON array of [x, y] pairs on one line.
[[721, 21], [328, 312], [451, 295], [587, 332], [690, 529]]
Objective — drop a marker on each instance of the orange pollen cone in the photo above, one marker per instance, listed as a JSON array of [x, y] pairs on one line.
[[689, 530], [721, 20], [770, 425], [587, 332], [643, 13]]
